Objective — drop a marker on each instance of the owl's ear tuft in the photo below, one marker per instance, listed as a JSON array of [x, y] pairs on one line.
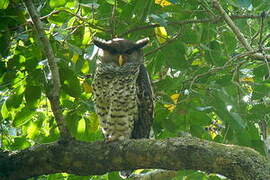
[[101, 43], [141, 43]]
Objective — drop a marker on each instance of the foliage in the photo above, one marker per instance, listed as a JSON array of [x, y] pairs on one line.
[[204, 83]]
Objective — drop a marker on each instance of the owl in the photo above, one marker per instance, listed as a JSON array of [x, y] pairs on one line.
[[122, 90]]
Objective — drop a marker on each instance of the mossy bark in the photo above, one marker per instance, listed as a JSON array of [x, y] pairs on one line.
[[96, 158]]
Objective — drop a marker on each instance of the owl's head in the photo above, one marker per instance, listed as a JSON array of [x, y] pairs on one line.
[[120, 53]]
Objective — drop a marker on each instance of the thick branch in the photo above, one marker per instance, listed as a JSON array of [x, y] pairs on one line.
[[97, 158], [48, 52]]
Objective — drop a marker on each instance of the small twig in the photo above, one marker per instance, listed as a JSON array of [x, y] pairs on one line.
[[113, 21], [261, 29], [265, 39], [48, 52], [86, 22], [254, 37], [260, 56], [50, 14], [72, 28], [266, 49], [267, 65], [206, 7], [163, 45], [235, 80], [213, 70]]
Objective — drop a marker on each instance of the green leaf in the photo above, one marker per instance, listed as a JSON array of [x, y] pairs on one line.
[[55, 176], [81, 128], [111, 2], [208, 33], [86, 36], [158, 61], [8, 77], [72, 119], [69, 82], [4, 111], [220, 101], [168, 84], [199, 118], [57, 3], [113, 176], [75, 49], [260, 73], [32, 94], [159, 19], [176, 55], [261, 90], [60, 19], [229, 41], [32, 130], [191, 37], [214, 177], [214, 53], [23, 116], [4, 4], [243, 138], [197, 131], [20, 143], [197, 175]]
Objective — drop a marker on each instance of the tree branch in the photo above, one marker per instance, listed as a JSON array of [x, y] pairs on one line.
[[238, 33], [163, 45], [97, 158], [86, 22], [48, 52], [191, 21], [233, 27]]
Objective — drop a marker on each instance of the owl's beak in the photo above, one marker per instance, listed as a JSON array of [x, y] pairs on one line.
[[121, 60]]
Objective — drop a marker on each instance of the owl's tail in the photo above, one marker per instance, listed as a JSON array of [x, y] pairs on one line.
[[125, 174]]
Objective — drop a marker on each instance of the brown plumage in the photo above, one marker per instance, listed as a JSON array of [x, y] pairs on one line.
[[123, 93], [122, 89]]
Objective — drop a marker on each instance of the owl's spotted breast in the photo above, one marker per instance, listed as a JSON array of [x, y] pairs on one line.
[[116, 105]]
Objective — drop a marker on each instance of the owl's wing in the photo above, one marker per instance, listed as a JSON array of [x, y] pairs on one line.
[[142, 125]]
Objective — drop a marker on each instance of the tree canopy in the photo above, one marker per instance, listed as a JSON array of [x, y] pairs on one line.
[[209, 65]]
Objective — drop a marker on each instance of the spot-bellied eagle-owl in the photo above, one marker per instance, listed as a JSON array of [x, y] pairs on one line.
[[122, 90]]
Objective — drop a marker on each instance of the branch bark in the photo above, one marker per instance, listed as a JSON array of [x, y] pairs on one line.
[[96, 158], [48, 52]]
